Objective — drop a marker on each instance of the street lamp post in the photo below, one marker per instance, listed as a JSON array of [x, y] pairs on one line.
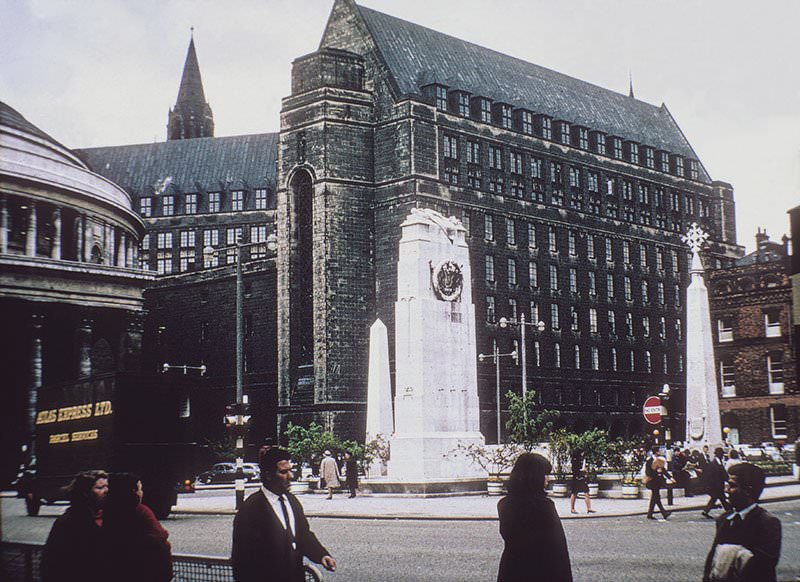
[[495, 357], [238, 417], [539, 326], [667, 425]]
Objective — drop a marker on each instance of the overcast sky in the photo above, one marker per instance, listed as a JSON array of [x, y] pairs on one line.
[[106, 72]]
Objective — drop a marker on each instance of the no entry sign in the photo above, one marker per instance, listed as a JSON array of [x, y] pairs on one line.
[[652, 410]]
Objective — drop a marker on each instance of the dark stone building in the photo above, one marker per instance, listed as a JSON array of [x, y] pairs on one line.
[[191, 117], [574, 198], [755, 343]]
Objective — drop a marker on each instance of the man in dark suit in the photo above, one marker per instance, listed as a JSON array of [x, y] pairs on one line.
[[749, 526], [270, 531], [716, 476]]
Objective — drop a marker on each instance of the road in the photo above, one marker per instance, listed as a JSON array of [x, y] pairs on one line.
[[618, 549]]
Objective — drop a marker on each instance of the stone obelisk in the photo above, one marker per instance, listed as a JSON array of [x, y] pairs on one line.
[[703, 425], [380, 421], [436, 389]]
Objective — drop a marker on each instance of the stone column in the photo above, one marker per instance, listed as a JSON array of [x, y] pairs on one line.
[[79, 239], [84, 343], [30, 238], [87, 241], [131, 344], [3, 225], [55, 253], [129, 253], [35, 367], [121, 250]]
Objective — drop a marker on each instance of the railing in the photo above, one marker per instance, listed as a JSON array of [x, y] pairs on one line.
[[21, 562]]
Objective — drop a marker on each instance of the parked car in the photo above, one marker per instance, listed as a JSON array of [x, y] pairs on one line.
[[226, 473], [255, 468]]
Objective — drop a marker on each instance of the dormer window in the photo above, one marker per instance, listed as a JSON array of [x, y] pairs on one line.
[[633, 153], [564, 135], [503, 115], [546, 127], [694, 170], [583, 138], [649, 158], [616, 144], [599, 143], [679, 166], [440, 94], [664, 159], [526, 122], [482, 109], [460, 103]]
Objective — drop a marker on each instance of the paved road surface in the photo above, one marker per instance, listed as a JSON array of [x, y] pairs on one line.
[[617, 549]]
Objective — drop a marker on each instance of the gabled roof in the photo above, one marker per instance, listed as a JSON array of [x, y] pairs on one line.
[[417, 56], [189, 165]]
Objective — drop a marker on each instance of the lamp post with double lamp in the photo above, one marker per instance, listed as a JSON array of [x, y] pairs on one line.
[[495, 357], [538, 326], [237, 416]]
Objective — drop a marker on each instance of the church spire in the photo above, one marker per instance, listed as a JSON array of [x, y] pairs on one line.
[[191, 117], [630, 80]]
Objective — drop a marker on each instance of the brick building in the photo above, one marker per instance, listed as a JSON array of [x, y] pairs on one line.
[[574, 198], [755, 344]]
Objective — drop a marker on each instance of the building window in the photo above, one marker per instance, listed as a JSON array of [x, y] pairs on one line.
[[188, 252], [463, 104], [557, 355], [532, 235], [555, 320], [645, 292], [694, 170], [551, 240], [629, 324], [572, 241], [583, 138], [261, 199], [577, 351], [512, 272], [450, 147], [593, 320], [679, 329], [534, 312], [555, 172], [648, 362], [632, 361], [527, 122], [211, 239], [575, 177], [725, 329], [512, 310], [164, 253], [258, 234], [617, 148], [533, 275], [643, 256], [214, 203], [516, 163], [646, 326], [441, 98], [553, 277], [649, 158], [505, 116], [612, 322], [727, 377], [679, 166], [772, 323], [547, 128], [489, 262], [573, 280], [564, 133], [237, 200], [600, 143], [634, 153], [626, 252], [628, 289], [592, 180], [775, 372], [146, 206], [511, 236], [609, 253], [610, 285], [614, 359], [190, 204], [484, 110], [490, 310], [592, 283], [536, 168], [662, 328], [233, 236], [167, 205], [495, 157], [778, 420], [537, 360], [465, 220], [488, 227], [665, 162]]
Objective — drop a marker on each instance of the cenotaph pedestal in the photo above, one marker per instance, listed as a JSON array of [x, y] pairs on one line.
[[703, 425], [436, 389]]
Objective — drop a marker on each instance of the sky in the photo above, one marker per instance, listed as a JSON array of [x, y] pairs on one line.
[[105, 72]]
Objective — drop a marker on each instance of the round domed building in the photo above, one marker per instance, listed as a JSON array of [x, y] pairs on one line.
[[70, 286]]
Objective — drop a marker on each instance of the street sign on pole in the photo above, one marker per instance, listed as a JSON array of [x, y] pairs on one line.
[[652, 410]]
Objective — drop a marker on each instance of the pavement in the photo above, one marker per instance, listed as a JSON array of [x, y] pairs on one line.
[[466, 507]]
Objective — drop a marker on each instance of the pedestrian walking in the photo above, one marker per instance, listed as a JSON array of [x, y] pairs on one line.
[[656, 480], [329, 471], [535, 545], [578, 485], [733, 459], [137, 543], [74, 547], [715, 478], [747, 543], [351, 473], [270, 531]]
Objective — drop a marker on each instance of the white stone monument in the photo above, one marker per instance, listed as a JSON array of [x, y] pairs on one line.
[[436, 386], [702, 398], [380, 422]]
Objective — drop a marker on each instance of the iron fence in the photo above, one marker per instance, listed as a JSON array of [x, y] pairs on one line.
[[21, 562]]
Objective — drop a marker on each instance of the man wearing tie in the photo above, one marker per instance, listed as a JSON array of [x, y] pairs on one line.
[[747, 544], [716, 477], [270, 531]]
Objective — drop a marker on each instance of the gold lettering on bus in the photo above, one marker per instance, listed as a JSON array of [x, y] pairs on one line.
[[102, 408], [84, 435], [46, 416], [59, 438]]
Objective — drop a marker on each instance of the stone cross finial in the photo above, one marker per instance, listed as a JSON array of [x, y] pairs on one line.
[[695, 238]]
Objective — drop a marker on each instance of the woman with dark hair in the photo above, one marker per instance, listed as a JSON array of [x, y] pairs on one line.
[[535, 545], [578, 485], [138, 546]]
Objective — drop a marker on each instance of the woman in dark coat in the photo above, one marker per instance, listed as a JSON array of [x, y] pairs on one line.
[[138, 549], [535, 545]]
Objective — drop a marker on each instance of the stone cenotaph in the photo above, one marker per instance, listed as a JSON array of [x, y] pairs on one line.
[[703, 425], [436, 389]]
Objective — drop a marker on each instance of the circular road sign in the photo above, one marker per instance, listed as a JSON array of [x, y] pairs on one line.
[[652, 410]]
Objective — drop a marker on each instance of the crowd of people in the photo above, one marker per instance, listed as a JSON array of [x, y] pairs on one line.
[[107, 532]]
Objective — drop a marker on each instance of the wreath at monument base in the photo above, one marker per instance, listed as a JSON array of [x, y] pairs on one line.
[[447, 280]]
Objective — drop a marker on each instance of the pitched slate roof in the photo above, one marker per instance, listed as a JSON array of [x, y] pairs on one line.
[[208, 163], [417, 56]]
